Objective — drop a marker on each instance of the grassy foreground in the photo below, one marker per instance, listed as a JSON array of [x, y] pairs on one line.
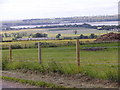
[[96, 64]]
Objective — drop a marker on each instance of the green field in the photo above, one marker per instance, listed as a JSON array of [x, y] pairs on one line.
[[52, 32], [97, 64]]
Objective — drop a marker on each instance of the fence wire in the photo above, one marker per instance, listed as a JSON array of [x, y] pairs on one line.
[[62, 54]]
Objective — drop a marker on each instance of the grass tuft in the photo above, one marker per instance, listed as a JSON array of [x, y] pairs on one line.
[[30, 82]]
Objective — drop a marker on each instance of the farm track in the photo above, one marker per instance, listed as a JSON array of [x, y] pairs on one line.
[[77, 81], [9, 84]]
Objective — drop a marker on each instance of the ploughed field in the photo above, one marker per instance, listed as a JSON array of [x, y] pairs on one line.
[[96, 60]]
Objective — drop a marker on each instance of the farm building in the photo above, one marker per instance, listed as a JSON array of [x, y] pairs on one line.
[[43, 38]]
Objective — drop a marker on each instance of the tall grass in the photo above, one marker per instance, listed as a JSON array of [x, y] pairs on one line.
[[56, 60], [69, 69]]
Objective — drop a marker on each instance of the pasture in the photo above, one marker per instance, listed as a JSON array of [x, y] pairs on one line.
[[101, 64]]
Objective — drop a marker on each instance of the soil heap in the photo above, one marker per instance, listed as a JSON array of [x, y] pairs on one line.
[[109, 37]]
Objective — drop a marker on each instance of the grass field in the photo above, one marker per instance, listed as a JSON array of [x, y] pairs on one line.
[[61, 54], [97, 64]]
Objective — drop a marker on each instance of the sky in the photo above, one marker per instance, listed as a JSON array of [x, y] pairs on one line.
[[31, 9]]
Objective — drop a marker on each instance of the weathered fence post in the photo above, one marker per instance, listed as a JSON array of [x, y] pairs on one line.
[[78, 52], [39, 53], [25, 46], [10, 53]]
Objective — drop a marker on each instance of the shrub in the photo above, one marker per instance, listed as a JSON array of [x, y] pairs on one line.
[[55, 67], [16, 47], [4, 64]]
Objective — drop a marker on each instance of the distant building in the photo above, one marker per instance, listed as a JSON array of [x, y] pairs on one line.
[[43, 38]]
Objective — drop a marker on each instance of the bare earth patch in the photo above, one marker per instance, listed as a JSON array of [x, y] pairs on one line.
[[9, 84], [94, 49], [76, 81]]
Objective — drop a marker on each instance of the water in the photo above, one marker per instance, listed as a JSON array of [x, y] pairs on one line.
[[104, 23], [91, 23]]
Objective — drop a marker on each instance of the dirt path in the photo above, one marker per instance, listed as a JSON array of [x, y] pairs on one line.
[[8, 84], [78, 81]]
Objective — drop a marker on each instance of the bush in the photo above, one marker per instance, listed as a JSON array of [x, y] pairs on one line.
[[37, 35], [4, 64], [16, 47], [55, 67]]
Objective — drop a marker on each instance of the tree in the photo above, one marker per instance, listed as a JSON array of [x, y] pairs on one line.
[[58, 36], [75, 31], [13, 35], [39, 35], [92, 36], [5, 34], [81, 36], [86, 25]]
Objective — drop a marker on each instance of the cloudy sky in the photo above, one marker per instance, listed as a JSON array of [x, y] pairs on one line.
[[27, 9]]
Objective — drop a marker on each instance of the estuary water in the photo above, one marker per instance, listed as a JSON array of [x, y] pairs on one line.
[[91, 23]]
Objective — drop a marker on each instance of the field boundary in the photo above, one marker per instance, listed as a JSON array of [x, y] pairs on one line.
[[41, 84], [77, 81]]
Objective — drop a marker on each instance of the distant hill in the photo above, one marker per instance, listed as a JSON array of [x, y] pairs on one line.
[[65, 20]]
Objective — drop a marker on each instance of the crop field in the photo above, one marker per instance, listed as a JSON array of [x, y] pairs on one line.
[[22, 31], [84, 31], [65, 32], [101, 64], [44, 41]]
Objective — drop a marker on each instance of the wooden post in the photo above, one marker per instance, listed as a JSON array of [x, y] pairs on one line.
[[10, 53], [39, 53], [78, 52], [25, 46]]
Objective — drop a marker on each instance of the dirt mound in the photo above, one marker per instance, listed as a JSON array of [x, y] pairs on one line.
[[109, 37], [94, 48]]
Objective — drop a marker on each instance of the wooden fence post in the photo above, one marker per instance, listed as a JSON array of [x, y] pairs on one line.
[[10, 53], [78, 52], [39, 53], [25, 45]]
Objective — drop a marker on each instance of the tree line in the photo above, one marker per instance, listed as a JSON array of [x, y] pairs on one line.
[[91, 36]]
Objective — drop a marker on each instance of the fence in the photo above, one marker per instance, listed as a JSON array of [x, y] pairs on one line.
[[71, 53], [40, 53], [99, 60]]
